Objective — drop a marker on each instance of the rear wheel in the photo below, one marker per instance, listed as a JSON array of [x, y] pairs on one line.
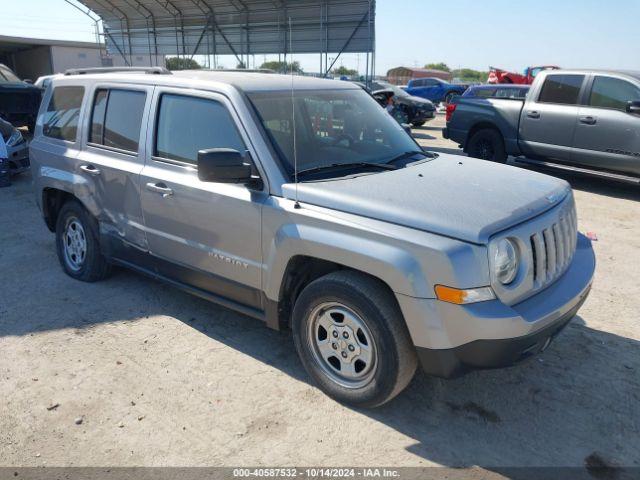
[[352, 340], [77, 244], [487, 144]]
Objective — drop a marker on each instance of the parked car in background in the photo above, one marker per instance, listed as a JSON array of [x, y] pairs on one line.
[[497, 75], [414, 110], [19, 100], [587, 120], [435, 89], [17, 148], [497, 91], [313, 210]]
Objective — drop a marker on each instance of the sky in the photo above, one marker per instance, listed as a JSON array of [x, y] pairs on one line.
[[510, 34]]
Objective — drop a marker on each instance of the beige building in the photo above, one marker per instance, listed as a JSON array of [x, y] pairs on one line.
[[402, 75], [31, 58]]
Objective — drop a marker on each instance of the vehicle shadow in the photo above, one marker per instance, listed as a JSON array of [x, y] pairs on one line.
[[587, 183], [481, 419], [451, 151], [422, 136], [578, 401]]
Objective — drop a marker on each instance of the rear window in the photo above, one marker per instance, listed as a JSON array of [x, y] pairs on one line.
[[483, 92], [63, 111], [116, 118], [561, 89]]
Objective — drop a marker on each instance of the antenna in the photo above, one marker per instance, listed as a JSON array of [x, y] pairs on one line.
[[293, 120]]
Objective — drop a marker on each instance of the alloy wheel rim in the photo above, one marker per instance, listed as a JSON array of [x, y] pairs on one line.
[[342, 345], [74, 244], [485, 150]]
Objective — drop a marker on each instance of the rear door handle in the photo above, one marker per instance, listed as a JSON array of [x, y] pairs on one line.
[[160, 188], [588, 120], [90, 169], [533, 114]]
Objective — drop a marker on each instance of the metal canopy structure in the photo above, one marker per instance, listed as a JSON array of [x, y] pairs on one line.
[[237, 27]]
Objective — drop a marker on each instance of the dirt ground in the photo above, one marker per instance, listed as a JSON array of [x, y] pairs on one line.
[[130, 372]]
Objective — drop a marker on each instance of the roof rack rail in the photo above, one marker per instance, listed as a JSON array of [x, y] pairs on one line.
[[148, 70]]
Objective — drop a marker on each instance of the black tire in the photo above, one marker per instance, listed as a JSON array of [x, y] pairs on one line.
[[370, 299], [92, 266], [418, 124], [487, 144]]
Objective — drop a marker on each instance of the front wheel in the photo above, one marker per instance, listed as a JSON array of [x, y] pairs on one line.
[[487, 144], [352, 340], [418, 124]]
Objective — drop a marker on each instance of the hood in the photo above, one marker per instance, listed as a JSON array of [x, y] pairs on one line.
[[451, 195]]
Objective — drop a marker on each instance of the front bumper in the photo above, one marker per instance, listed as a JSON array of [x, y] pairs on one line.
[[453, 339]]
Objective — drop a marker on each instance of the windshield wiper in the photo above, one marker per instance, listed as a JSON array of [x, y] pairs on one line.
[[334, 166], [410, 154]]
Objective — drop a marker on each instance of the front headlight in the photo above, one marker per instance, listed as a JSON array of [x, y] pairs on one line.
[[505, 261], [15, 138]]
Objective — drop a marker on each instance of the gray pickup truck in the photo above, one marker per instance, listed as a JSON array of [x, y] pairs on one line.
[[588, 120], [309, 208]]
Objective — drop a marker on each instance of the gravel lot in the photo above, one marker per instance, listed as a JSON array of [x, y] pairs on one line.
[[132, 372]]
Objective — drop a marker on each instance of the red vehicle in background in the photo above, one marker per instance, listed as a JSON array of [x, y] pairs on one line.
[[497, 75]]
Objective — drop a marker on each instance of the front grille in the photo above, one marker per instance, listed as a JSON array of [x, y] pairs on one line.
[[547, 245], [552, 249]]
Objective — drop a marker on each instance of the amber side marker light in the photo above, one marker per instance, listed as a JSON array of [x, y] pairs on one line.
[[463, 297]]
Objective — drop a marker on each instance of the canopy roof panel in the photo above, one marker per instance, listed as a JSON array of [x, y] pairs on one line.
[[235, 27]]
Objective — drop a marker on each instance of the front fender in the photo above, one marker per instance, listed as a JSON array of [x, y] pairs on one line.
[[391, 264]]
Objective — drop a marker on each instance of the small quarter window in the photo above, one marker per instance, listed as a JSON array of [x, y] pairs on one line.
[[116, 119], [561, 89], [187, 125], [63, 111]]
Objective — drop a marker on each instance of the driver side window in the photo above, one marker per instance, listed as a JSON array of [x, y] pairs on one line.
[[614, 93]]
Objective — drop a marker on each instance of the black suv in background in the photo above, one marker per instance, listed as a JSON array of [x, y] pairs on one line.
[[19, 100]]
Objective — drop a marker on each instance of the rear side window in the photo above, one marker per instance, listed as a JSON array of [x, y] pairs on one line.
[[63, 112], [561, 89], [186, 125], [116, 118], [613, 93]]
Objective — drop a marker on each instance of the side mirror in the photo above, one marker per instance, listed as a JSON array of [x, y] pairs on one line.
[[633, 107], [223, 165]]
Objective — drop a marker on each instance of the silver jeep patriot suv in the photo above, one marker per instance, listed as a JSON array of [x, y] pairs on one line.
[[302, 203]]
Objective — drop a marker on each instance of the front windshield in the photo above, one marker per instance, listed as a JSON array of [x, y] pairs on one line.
[[7, 76], [332, 127]]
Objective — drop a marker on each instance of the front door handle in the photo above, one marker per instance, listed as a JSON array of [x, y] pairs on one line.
[[588, 120], [160, 188], [533, 114], [90, 169]]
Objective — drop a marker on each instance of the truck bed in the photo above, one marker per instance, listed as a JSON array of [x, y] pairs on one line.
[[470, 113]]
